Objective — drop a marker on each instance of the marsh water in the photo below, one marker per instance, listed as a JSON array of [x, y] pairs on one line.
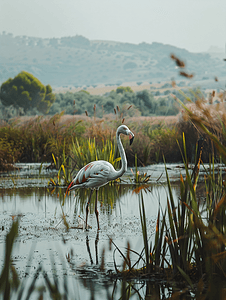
[[52, 234]]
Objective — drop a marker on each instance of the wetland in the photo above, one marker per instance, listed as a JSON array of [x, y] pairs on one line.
[[44, 239]]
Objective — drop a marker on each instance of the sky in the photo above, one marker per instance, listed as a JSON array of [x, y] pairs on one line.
[[195, 25]]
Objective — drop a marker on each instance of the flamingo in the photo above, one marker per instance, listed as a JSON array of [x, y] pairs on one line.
[[98, 173]]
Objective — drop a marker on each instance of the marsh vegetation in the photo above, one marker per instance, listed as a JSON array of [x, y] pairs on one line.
[[181, 251]]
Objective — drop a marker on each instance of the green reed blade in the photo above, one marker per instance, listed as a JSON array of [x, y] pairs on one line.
[[186, 277], [144, 230], [32, 285], [124, 257]]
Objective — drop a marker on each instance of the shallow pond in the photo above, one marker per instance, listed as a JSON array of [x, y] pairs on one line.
[[44, 237]]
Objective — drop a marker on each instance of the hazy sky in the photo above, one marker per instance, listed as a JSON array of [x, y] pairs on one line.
[[192, 24]]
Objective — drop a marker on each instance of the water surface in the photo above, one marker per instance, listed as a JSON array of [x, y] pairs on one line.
[[44, 237]]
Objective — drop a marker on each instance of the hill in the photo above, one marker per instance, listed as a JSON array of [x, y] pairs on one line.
[[76, 61]]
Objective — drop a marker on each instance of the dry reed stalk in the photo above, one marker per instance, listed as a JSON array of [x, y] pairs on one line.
[[178, 62], [184, 74]]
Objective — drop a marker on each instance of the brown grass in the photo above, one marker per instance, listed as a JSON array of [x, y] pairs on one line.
[[40, 136], [67, 119]]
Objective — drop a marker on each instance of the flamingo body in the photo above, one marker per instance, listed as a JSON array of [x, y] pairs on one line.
[[98, 173], [93, 175]]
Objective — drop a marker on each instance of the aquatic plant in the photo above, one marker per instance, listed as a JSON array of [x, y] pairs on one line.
[[88, 150], [36, 139], [189, 245], [63, 176], [138, 177], [11, 286], [5, 282]]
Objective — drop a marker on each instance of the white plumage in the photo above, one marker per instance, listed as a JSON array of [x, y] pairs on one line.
[[100, 172]]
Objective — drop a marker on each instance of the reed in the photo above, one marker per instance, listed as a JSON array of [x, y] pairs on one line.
[[36, 139], [6, 285], [87, 151], [12, 287], [190, 238], [139, 177]]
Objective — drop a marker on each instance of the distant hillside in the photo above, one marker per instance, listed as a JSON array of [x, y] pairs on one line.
[[77, 61]]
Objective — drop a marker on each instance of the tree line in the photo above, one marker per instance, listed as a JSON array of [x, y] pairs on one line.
[[26, 95], [129, 103]]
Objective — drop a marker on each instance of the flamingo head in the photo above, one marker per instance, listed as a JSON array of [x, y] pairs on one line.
[[125, 130]]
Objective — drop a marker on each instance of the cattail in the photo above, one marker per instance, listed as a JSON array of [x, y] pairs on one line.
[[123, 120], [186, 75], [94, 107], [115, 111], [86, 113], [118, 109], [74, 102], [178, 62], [129, 107]]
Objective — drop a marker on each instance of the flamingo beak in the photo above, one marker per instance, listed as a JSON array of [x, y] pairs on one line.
[[70, 185], [131, 137], [68, 189]]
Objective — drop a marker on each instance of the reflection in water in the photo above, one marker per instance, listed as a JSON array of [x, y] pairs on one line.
[[100, 284], [96, 248], [41, 212], [114, 289], [108, 196]]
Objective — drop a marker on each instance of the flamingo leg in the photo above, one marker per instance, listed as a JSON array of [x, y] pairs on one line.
[[87, 208], [96, 246], [96, 211]]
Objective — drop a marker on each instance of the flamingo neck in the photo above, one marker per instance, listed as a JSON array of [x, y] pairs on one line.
[[122, 154], [123, 169]]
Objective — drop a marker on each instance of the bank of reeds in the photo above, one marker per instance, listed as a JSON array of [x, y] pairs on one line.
[[38, 139], [189, 246]]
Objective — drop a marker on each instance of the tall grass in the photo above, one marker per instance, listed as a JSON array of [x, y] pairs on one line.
[[87, 151], [5, 282], [189, 245], [190, 237], [35, 140]]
